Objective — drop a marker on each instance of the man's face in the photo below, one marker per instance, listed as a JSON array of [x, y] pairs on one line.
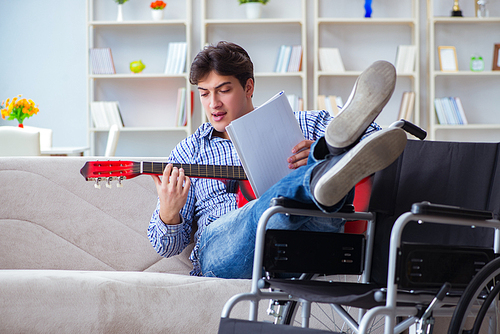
[[224, 99]]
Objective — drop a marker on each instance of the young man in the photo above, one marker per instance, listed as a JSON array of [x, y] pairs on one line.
[[335, 155]]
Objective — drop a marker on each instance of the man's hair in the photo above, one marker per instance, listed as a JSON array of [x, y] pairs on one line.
[[226, 59]]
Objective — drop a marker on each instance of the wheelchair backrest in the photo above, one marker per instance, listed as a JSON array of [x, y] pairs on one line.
[[450, 173]]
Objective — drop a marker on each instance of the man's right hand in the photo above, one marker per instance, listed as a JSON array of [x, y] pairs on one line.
[[173, 189]]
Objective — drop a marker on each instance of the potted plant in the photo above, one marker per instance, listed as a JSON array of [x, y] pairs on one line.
[[18, 109], [157, 8], [253, 8], [120, 9]]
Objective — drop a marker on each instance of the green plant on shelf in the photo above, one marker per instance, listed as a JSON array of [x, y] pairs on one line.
[[120, 2]]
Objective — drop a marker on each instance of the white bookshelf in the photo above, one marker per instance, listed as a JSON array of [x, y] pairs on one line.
[[341, 24], [148, 99], [283, 22], [478, 91]]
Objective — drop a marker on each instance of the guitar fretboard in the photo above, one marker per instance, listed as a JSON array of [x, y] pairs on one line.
[[205, 171]]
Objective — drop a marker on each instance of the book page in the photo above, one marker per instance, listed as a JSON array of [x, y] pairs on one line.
[[264, 139]]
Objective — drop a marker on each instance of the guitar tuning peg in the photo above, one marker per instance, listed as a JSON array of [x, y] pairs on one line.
[[119, 184], [97, 184], [108, 182]]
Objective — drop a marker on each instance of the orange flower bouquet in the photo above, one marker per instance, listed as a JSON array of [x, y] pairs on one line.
[[158, 5], [18, 109]]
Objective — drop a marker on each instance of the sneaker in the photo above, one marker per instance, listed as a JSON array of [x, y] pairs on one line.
[[332, 180], [371, 92]]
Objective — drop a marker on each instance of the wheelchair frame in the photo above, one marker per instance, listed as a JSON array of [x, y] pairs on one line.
[[439, 215], [390, 310]]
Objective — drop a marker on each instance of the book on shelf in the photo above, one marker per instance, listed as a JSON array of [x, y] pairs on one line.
[[289, 59], [330, 60], [297, 103], [450, 111], [264, 139], [106, 113], [176, 58], [102, 61], [331, 103], [407, 106], [182, 113], [405, 58]]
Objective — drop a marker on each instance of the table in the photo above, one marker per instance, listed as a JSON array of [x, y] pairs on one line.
[[64, 151]]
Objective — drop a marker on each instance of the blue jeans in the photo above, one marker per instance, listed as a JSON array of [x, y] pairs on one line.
[[226, 247]]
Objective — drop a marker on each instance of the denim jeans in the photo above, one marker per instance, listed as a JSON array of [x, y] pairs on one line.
[[226, 247]]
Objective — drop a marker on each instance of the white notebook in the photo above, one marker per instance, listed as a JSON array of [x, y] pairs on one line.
[[264, 139]]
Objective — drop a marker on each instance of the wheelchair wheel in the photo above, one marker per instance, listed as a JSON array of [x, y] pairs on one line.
[[480, 302], [323, 316]]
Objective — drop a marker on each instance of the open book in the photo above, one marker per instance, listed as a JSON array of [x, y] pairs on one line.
[[264, 139]]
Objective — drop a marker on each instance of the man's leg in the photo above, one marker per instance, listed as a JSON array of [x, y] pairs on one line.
[[227, 245], [333, 178], [371, 92]]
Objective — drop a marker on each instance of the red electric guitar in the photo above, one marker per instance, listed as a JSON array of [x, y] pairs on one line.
[[108, 171]]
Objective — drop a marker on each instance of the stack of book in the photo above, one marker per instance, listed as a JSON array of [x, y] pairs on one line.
[[330, 103], [405, 58], [330, 60], [176, 58], [182, 107], [102, 61], [449, 110], [289, 59], [105, 114], [407, 106]]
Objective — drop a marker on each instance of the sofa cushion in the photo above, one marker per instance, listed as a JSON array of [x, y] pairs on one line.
[[51, 218], [65, 301]]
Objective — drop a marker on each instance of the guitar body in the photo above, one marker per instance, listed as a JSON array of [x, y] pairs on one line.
[[108, 171], [245, 193]]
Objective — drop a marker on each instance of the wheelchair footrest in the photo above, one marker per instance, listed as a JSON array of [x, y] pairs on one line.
[[313, 252]]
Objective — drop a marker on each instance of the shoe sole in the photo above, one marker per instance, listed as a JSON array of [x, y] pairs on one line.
[[372, 154], [371, 92]]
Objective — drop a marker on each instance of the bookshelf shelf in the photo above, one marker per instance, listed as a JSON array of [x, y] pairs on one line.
[[139, 23], [476, 89], [143, 129], [147, 100], [370, 21], [137, 76], [466, 73], [468, 127], [335, 27], [283, 23], [256, 21], [460, 20], [278, 75]]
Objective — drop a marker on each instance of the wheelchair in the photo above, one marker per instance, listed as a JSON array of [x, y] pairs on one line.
[[429, 250]]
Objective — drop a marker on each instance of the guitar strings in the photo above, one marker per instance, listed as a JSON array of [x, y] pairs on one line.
[[208, 171]]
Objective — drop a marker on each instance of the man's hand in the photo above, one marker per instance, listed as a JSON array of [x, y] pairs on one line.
[[172, 190], [300, 154]]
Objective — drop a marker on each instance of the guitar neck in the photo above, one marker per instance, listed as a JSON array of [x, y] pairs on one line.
[[204, 171]]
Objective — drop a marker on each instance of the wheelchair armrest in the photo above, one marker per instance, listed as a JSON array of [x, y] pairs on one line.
[[426, 208], [290, 203]]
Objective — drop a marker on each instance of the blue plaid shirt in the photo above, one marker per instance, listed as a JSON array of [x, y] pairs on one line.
[[209, 199]]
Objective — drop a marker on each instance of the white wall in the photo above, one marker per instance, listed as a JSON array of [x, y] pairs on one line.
[[42, 56]]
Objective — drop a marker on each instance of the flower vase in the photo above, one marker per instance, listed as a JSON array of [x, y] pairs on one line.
[[157, 14], [120, 13], [253, 10]]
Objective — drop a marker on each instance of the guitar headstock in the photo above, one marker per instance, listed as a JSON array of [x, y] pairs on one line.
[[98, 171]]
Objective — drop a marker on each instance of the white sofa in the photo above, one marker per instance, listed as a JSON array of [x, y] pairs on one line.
[[75, 259]]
